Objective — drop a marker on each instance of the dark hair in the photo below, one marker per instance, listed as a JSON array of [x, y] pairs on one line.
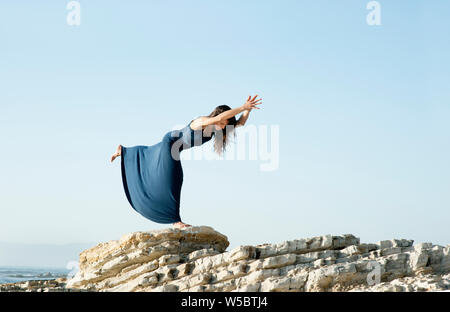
[[220, 145]]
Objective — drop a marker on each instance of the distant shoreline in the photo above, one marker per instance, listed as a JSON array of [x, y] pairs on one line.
[[19, 274], [50, 285]]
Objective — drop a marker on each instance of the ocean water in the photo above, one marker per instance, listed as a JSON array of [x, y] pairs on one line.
[[18, 274]]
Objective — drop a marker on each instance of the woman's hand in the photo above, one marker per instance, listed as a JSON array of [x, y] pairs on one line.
[[251, 103]]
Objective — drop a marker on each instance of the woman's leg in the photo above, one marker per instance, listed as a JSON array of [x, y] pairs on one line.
[[117, 154]]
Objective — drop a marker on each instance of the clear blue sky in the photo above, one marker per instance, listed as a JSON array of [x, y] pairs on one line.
[[362, 111]]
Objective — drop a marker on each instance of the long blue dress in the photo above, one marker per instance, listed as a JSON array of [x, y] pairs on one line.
[[152, 176]]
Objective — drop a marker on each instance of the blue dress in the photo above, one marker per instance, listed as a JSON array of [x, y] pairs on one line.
[[152, 176]]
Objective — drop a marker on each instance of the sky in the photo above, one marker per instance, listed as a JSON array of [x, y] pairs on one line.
[[361, 110]]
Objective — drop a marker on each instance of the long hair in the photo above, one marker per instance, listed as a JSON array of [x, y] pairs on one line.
[[220, 142]]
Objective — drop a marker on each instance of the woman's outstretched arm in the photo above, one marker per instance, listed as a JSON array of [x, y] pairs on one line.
[[243, 119], [250, 104]]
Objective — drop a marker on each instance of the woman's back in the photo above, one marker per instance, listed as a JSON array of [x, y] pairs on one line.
[[186, 137]]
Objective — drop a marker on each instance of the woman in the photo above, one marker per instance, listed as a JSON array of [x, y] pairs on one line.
[[152, 176]]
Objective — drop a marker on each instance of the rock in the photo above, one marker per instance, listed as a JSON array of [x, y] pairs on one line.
[[196, 260], [279, 261], [112, 260]]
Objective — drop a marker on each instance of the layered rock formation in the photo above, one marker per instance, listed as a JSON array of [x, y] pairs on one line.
[[194, 259]]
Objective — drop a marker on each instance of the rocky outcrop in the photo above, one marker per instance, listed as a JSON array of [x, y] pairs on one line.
[[140, 260], [194, 259]]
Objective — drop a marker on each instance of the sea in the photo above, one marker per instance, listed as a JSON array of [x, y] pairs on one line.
[[11, 274]]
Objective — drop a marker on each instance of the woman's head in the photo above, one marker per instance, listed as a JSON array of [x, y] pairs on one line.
[[226, 128]]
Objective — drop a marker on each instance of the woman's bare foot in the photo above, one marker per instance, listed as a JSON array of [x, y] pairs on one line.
[[181, 225], [117, 154]]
